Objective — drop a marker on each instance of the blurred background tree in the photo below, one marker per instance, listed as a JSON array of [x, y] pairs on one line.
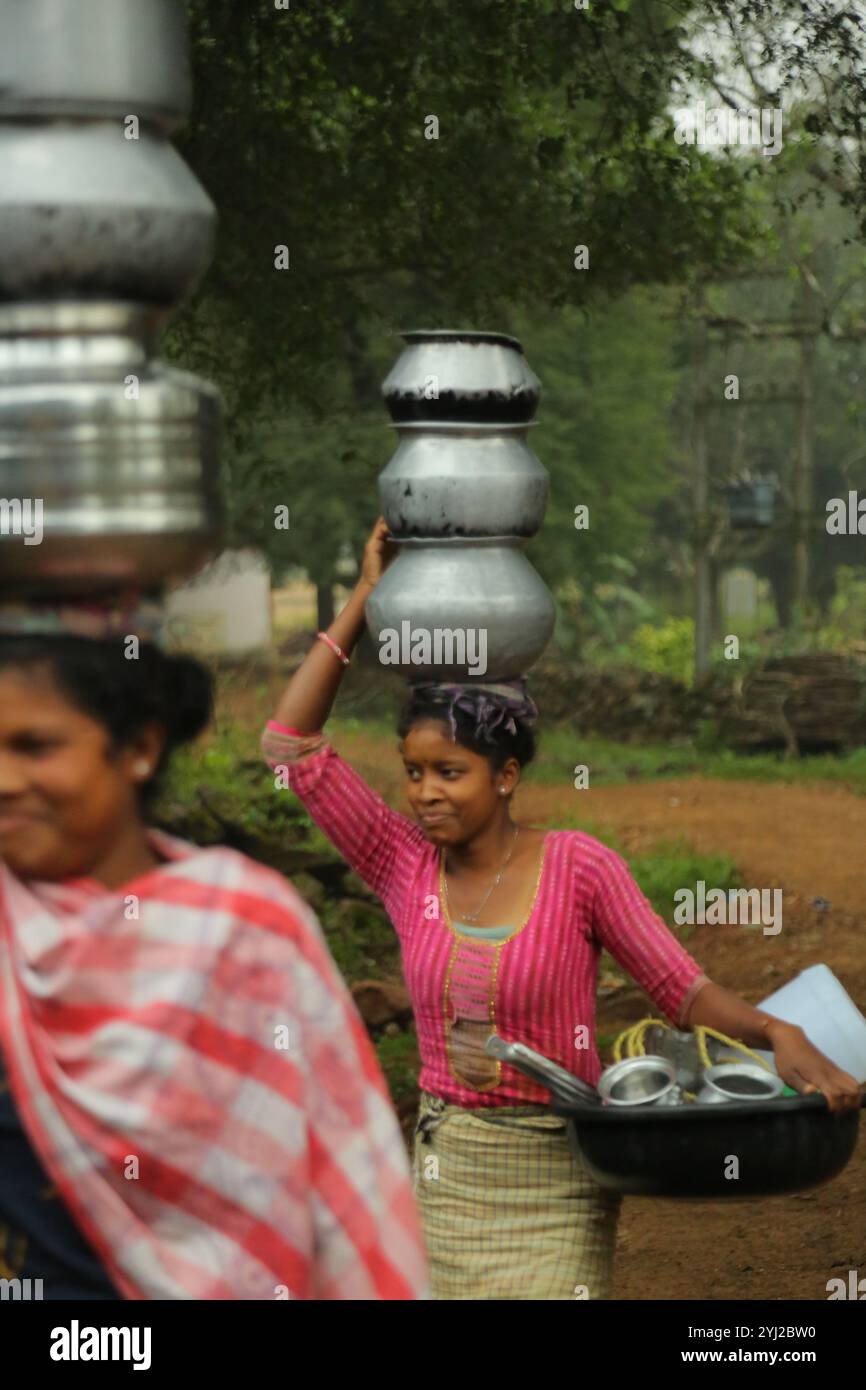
[[555, 130]]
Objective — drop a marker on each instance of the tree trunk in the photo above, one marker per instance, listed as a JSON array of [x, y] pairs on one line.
[[702, 580], [779, 573], [715, 567], [803, 481]]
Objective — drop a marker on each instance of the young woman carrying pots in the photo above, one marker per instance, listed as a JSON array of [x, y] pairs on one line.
[[500, 926], [190, 1107]]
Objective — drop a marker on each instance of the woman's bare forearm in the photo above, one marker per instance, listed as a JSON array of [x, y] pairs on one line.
[[307, 699], [729, 1014]]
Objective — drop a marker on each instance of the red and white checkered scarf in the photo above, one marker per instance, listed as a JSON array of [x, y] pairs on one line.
[[194, 1077]]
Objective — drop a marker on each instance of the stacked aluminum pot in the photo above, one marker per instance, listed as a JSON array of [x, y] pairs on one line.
[[103, 229], [461, 496]]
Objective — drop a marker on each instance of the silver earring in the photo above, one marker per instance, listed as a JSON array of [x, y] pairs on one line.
[[141, 768], [501, 791]]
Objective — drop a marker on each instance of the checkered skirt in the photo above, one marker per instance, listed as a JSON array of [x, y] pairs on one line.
[[509, 1210]]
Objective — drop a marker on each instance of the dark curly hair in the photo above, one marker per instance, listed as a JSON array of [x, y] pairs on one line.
[[498, 748], [122, 694]]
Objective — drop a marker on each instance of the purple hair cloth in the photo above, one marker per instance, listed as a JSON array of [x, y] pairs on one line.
[[492, 706]]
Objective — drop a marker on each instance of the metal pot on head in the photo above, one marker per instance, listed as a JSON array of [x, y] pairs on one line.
[[461, 376], [86, 212], [108, 458], [95, 58], [460, 480], [460, 609]]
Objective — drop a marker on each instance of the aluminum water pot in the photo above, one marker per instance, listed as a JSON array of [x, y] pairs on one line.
[[84, 211], [460, 609], [462, 377], [108, 462], [96, 58], [460, 480]]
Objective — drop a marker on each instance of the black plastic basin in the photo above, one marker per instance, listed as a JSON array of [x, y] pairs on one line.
[[684, 1151]]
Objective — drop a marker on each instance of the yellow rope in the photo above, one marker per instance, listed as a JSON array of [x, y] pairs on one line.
[[633, 1039]]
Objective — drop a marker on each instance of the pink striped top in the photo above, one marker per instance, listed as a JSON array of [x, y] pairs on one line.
[[536, 987]]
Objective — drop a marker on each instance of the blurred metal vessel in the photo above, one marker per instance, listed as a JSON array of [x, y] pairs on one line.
[[486, 585], [94, 58], [460, 480], [461, 376], [86, 212], [49, 340], [120, 451]]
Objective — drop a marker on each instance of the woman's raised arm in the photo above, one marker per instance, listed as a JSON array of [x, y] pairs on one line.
[[380, 844], [310, 694]]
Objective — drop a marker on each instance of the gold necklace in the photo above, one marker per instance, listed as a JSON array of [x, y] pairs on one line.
[[473, 916]]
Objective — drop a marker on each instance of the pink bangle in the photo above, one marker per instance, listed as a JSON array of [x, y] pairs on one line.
[[338, 651], [285, 729]]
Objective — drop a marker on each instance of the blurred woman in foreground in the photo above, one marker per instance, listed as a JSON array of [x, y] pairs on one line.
[[183, 1062]]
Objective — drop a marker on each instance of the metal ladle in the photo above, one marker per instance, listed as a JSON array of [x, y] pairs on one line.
[[561, 1083]]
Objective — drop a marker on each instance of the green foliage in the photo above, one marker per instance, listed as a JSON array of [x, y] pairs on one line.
[[228, 776], [555, 130], [610, 763], [608, 382], [308, 131], [675, 865], [360, 938], [848, 770], [219, 784], [667, 648], [845, 623], [613, 764], [708, 737], [399, 1060]]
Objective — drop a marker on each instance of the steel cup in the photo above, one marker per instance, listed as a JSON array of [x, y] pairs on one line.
[[639, 1081]]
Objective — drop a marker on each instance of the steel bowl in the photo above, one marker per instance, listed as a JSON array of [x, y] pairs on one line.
[[444, 588], [96, 58], [86, 213], [463, 481], [634, 1081], [461, 376], [738, 1082]]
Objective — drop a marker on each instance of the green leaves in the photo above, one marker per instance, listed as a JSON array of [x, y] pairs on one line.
[[555, 130]]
